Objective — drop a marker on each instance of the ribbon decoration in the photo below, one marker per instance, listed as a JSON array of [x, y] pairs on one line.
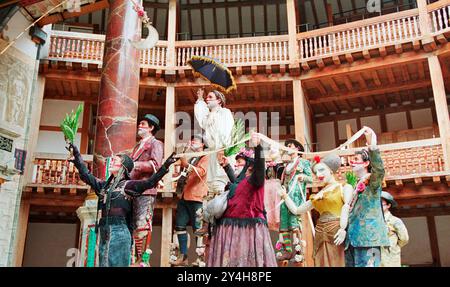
[[270, 141]]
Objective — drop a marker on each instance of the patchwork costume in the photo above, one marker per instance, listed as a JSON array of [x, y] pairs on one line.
[[367, 230], [147, 156], [297, 192]]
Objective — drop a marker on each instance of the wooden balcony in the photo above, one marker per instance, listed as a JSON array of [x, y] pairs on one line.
[[52, 173], [405, 162], [376, 36]]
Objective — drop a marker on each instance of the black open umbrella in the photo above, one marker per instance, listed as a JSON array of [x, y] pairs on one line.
[[213, 71]]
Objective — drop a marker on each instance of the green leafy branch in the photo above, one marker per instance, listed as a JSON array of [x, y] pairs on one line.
[[69, 125], [237, 135]]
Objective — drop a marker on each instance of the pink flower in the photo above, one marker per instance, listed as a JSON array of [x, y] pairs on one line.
[[141, 13], [360, 187], [278, 246]]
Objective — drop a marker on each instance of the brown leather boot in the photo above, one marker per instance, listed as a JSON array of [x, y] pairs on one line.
[[181, 261]]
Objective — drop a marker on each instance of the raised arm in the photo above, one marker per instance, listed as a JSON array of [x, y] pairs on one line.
[[257, 177], [201, 110], [376, 163], [137, 187], [377, 172], [96, 184]]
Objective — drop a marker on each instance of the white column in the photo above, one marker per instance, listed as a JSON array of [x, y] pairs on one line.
[[87, 215]]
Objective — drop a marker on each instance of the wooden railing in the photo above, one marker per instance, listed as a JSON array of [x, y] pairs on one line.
[[372, 33], [88, 48], [361, 35], [402, 136], [78, 47], [404, 160], [439, 13], [54, 170], [237, 52]]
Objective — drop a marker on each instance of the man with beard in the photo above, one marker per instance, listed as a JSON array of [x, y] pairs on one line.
[[189, 207], [367, 229], [147, 156]]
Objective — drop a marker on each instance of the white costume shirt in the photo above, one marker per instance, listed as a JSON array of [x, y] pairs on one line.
[[217, 125]]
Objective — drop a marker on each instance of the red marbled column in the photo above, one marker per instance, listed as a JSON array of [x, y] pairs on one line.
[[119, 85]]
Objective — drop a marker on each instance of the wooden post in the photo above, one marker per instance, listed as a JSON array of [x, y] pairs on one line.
[[440, 103], [171, 35], [329, 14], [424, 22], [169, 145], [22, 227], [292, 31], [348, 130], [299, 111], [166, 236], [434, 244], [299, 124]]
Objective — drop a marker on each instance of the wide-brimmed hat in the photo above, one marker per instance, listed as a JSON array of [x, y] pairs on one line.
[[127, 163], [296, 143], [153, 120], [389, 198]]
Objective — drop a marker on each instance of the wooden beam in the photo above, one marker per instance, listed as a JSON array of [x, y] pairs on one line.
[[433, 241], [227, 4], [390, 75], [166, 236], [440, 101], [373, 63], [375, 112], [265, 18], [85, 9], [364, 93], [376, 79]]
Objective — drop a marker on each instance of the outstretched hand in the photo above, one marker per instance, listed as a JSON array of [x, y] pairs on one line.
[[170, 160], [200, 93], [371, 137], [73, 150], [256, 139]]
